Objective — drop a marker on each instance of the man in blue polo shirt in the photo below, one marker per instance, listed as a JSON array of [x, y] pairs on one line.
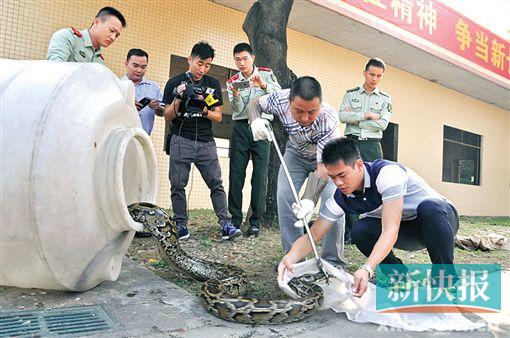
[[399, 209], [148, 96]]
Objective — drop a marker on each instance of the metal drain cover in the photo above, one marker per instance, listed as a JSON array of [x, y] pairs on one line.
[[80, 321]]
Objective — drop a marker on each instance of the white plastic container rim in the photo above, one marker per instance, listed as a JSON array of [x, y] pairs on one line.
[[110, 176]]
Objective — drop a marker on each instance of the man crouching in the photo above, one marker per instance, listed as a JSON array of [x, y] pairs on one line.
[[399, 210]]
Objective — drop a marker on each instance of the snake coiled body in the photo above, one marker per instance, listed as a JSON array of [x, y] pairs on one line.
[[224, 285]]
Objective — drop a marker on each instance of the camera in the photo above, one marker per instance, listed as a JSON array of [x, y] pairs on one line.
[[193, 98]]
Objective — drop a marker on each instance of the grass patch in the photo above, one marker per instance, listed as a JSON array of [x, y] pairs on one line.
[[160, 264], [486, 220], [258, 256]]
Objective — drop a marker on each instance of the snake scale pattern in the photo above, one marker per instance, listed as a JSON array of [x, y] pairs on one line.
[[224, 287]]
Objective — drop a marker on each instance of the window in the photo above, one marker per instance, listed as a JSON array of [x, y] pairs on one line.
[[461, 156], [178, 65]]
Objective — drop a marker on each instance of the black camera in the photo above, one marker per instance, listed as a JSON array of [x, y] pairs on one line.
[[193, 98]]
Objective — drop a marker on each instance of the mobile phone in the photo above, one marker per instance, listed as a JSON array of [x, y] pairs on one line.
[[241, 84], [145, 101]]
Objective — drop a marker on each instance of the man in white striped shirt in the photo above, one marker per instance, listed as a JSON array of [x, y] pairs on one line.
[[310, 123]]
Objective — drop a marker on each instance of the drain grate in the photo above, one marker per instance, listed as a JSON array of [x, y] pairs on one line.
[[83, 320], [25, 324]]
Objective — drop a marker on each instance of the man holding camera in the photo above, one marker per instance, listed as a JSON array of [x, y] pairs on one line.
[[249, 83], [147, 93], [192, 102]]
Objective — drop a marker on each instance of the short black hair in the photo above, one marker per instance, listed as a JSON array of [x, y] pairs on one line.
[[110, 11], [306, 87], [137, 52], [203, 50], [243, 47], [376, 62], [340, 149]]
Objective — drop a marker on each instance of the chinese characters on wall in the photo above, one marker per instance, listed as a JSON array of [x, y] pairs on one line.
[[446, 28]]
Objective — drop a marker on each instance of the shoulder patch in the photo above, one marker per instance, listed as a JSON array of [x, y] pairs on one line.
[[264, 69], [383, 93], [233, 78], [352, 89], [76, 32]]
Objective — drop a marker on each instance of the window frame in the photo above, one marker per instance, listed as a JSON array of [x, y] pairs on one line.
[[460, 141]]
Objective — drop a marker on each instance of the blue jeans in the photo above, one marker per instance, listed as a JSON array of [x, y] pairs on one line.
[[299, 168], [434, 228]]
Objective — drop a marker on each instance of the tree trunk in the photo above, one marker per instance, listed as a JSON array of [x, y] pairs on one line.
[[266, 27]]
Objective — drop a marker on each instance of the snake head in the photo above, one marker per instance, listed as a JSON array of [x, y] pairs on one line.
[[154, 219]]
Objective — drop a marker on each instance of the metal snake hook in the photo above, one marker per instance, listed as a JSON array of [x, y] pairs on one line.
[[296, 197]]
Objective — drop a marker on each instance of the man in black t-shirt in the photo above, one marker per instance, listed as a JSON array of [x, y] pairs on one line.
[[192, 102]]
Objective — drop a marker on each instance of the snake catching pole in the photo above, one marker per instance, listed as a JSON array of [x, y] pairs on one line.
[[296, 197]]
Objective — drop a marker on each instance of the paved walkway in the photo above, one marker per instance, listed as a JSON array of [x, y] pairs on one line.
[[141, 304]]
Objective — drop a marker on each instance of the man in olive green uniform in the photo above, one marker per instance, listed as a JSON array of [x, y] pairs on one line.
[[251, 82], [366, 111], [72, 45]]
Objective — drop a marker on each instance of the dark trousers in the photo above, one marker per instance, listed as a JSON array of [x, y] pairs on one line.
[[242, 146], [204, 155], [370, 150], [434, 228]]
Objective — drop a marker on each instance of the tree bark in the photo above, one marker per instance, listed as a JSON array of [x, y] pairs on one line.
[[266, 28]]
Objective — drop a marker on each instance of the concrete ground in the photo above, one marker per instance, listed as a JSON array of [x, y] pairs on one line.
[[141, 304]]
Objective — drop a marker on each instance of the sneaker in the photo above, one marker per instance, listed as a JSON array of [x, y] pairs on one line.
[[183, 232], [230, 231], [253, 230]]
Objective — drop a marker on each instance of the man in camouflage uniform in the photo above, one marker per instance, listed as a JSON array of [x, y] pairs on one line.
[[262, 81], [366, 111], [72, 45]]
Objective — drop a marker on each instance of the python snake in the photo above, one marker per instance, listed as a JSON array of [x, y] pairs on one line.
[[225, 285]]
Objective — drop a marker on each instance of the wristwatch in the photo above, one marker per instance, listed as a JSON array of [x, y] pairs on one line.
[[368, 269]]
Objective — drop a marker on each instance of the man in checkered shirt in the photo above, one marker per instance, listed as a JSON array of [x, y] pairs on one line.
[[310, 123]]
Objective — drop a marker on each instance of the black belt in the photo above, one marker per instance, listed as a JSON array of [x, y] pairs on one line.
[[366, 139]]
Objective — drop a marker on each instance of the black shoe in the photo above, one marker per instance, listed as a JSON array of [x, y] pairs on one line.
[[182, 232], [142, 234], [253, 230]]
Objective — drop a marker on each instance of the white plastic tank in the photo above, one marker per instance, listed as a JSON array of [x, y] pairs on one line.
[[73, 156]]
